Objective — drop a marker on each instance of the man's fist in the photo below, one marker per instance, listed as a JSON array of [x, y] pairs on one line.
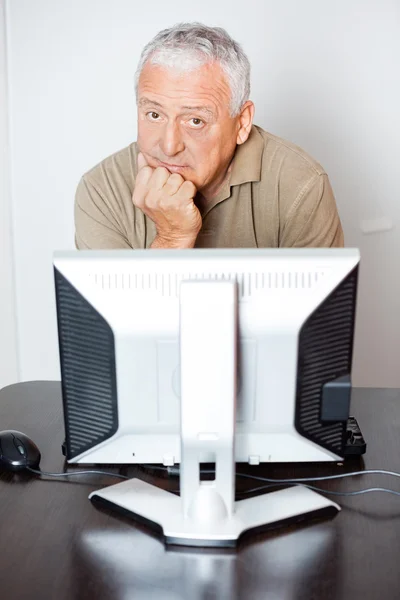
[[168, 200]]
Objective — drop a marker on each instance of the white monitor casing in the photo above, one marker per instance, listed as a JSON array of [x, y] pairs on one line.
[[138, 295]]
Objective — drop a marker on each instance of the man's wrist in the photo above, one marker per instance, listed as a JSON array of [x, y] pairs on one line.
[[175, 242]]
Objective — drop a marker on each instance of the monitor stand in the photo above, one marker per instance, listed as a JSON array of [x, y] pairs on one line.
[[206, 513]]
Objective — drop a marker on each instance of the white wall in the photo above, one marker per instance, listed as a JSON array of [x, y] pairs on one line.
[[8, 332], [325, 75]]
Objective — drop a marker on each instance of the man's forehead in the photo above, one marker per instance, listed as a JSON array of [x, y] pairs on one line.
[[205, 86]]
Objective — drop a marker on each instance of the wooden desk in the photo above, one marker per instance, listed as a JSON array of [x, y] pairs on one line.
[[56, 545]]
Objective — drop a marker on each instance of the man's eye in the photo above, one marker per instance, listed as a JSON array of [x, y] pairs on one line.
[[196, 122], [153, 116]]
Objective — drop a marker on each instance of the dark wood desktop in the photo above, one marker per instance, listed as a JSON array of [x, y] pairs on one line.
[[56, 545]]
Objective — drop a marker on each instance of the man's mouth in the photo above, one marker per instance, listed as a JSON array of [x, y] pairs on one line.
[[172, 168]]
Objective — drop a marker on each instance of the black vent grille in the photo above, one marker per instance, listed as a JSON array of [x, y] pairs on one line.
[[87, 358], [325, 353]]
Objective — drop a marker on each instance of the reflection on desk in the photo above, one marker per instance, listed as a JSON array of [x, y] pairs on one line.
[[57, 545], [289, 564]]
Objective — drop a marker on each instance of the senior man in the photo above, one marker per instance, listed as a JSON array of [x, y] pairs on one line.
[[201, 174]]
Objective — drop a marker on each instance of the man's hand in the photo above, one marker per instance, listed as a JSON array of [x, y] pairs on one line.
[[168, 200]]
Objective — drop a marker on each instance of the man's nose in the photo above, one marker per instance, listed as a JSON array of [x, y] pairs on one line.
[[172, 142]]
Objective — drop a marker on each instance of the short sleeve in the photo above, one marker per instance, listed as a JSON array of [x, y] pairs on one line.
[[95, 224], [313, 221]]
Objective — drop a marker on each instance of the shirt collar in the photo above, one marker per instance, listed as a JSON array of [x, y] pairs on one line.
[[245, 166]]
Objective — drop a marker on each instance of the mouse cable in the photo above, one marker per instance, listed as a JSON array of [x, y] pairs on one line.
[[73, 473], [259, 488], [317, 489], [323, 478]]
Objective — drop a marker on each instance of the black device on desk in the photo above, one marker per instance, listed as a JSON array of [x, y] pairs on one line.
[[18, 451]]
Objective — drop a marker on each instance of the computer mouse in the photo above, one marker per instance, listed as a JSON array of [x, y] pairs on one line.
[[17, 451]]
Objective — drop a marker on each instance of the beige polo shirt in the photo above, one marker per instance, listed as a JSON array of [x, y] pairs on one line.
[[276, 196]]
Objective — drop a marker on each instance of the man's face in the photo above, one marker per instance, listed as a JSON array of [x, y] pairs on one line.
[[184, 122]]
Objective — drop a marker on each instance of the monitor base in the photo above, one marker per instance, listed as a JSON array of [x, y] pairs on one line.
[[162, 511]]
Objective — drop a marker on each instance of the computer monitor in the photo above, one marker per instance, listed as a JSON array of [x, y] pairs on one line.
[[260, 341]]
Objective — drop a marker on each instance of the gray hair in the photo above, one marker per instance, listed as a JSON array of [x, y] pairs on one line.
[[187, 46]]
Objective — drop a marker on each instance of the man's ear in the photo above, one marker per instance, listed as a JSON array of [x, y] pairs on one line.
[[245, 122]]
